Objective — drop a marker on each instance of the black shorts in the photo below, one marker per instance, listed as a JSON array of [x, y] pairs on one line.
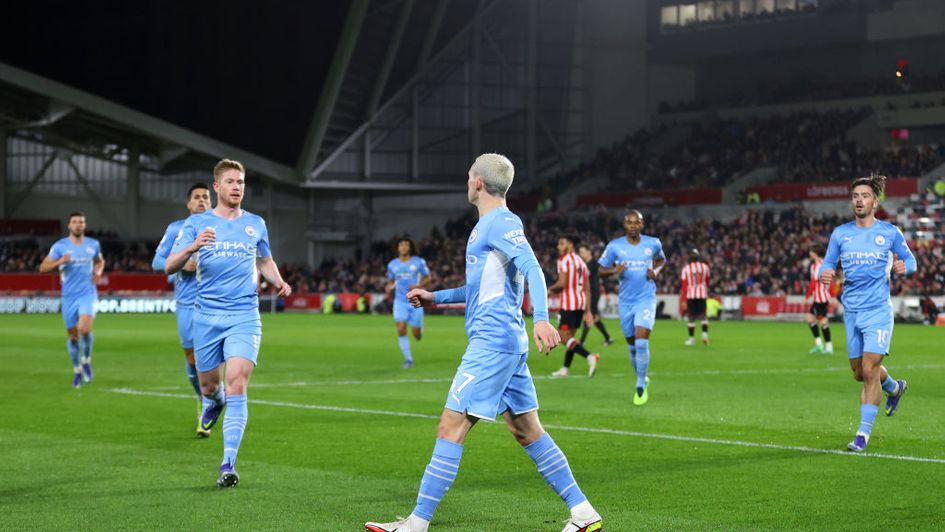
[[695, 307], [570, 320], [819, 310]]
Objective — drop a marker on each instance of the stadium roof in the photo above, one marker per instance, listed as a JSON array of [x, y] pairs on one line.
[[280, 87]]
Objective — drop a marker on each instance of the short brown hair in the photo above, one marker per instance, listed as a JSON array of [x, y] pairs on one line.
[[73, 214], [227, 164], [875, 182]]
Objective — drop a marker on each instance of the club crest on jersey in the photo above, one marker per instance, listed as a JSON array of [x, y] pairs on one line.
[[647, 252], [880, 240], [473, 236], [89, 250], [413, 267], [250, 230]]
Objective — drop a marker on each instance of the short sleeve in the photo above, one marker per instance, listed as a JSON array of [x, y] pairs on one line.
[[166, 243], [833, 252], [55, 252], [607, 259], [390, 270], [658, 252], [424, 270], [186, 236], [262, 250], [98, 249]]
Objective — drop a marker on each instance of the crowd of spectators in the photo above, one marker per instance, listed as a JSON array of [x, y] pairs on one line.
[[714, 154], [761, 252], [24, 254]]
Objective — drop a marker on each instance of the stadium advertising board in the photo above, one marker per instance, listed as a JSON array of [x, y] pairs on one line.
[[155, 282], [828, 190], [105, 305], [699, 196]]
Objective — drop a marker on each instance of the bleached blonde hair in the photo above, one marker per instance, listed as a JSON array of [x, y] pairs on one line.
[[496, 172]]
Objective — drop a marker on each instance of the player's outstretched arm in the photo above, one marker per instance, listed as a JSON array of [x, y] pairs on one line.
[[270, 272]]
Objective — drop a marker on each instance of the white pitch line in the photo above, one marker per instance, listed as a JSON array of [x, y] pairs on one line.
[[671, 437], [548, 377]]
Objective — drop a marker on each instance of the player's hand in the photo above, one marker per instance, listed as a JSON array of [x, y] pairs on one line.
[[651, 274], [589, 318], [899, 267], [190, 266], [619, 268], [546, 336], [207, 236], [826, 277], [66, 257], [285, 290], [96, 277], [418, 297]]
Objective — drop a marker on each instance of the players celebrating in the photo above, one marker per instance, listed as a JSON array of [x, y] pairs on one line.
[[637, 259], [79, 261], [404, 273], [231, 246], [185, 289], [493, 376], [821, 297], [868, 249], [695, 286], [573, 284]]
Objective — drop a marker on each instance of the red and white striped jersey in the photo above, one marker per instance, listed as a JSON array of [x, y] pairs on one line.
[[695, 280], [820, 292], [572, 267]]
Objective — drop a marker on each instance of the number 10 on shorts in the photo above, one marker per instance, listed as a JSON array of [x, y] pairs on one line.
[[882, 337]]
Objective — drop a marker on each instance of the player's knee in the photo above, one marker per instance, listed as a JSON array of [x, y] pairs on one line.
[[84, 330], [209, 387], [858, 376]]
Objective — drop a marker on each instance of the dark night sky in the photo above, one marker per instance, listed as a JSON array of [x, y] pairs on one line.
[[246, 72]]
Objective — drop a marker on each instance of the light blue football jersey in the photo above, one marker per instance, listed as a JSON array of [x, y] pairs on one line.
[[634, 286], [495, 289], [76, 275], [405, 274], [185, 283], [227, 277], [867, 255]]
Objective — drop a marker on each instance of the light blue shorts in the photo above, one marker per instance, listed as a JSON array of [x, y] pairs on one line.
[[868, 331], [489, 383], [217, 337], [639, 314], [185, 325], [74, 307], [404, 312]]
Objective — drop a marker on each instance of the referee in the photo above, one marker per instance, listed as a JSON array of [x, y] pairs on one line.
[[594, 280]]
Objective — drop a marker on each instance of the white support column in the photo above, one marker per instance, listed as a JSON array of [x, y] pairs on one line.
[[3, 173], [476, 131], [531, 96], [415, 133], [133, 199]]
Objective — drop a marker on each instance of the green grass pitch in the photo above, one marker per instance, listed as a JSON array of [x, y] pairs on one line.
[[732, 438]]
